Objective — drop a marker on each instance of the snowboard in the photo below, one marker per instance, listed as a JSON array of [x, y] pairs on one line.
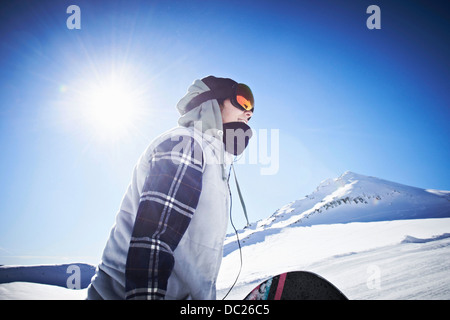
[[296, 285]]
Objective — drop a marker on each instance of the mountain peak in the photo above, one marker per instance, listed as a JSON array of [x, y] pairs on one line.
[[346, 177], [353, 197], [350, 175], [356, 197]]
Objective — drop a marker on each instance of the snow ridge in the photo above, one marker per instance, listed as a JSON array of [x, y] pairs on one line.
[[349, 198]]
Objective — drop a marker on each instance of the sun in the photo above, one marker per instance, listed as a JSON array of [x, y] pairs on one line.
[[110, 108], [108, 104]]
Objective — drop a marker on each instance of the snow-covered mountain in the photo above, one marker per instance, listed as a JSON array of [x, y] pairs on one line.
[[372, 238], [349, 198], [347, 226], [354, 197]]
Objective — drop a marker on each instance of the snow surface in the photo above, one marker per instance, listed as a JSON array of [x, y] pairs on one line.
[[373, 239], [35, 291], [410, 257]]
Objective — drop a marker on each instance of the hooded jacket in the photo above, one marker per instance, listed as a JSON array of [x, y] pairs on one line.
[[167, 241]]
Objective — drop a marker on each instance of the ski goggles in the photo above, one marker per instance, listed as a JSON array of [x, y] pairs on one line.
[[242, 97]]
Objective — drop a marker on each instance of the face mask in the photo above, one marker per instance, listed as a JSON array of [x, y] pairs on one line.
[[236, 136]]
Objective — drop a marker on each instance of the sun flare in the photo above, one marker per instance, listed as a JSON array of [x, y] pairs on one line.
[[110, 108]]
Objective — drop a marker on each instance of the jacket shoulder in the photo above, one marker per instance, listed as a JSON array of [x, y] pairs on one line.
[[178, 143]]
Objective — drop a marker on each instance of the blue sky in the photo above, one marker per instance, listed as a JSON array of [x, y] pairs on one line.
[[341, 96]]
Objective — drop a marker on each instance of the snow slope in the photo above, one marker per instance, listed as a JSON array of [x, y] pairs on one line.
[[345, 226], [35, 291], [350, 198], [411, 257], [372, 238]]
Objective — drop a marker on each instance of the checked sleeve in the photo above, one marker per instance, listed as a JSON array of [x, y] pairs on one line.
[[167, 203]]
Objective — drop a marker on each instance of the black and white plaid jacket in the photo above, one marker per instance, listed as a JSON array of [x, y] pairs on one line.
[[168, 237], [168, 201]]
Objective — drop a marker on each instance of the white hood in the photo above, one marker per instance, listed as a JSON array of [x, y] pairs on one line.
[[206, 117]]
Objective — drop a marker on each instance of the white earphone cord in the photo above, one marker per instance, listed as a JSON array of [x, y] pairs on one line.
[[232, 224]]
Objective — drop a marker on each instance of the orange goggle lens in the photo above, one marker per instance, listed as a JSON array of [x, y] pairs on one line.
[[243, 98], [244, 103]]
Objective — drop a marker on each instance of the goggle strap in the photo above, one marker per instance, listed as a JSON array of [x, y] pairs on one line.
[[199, 99], [206, 96]]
